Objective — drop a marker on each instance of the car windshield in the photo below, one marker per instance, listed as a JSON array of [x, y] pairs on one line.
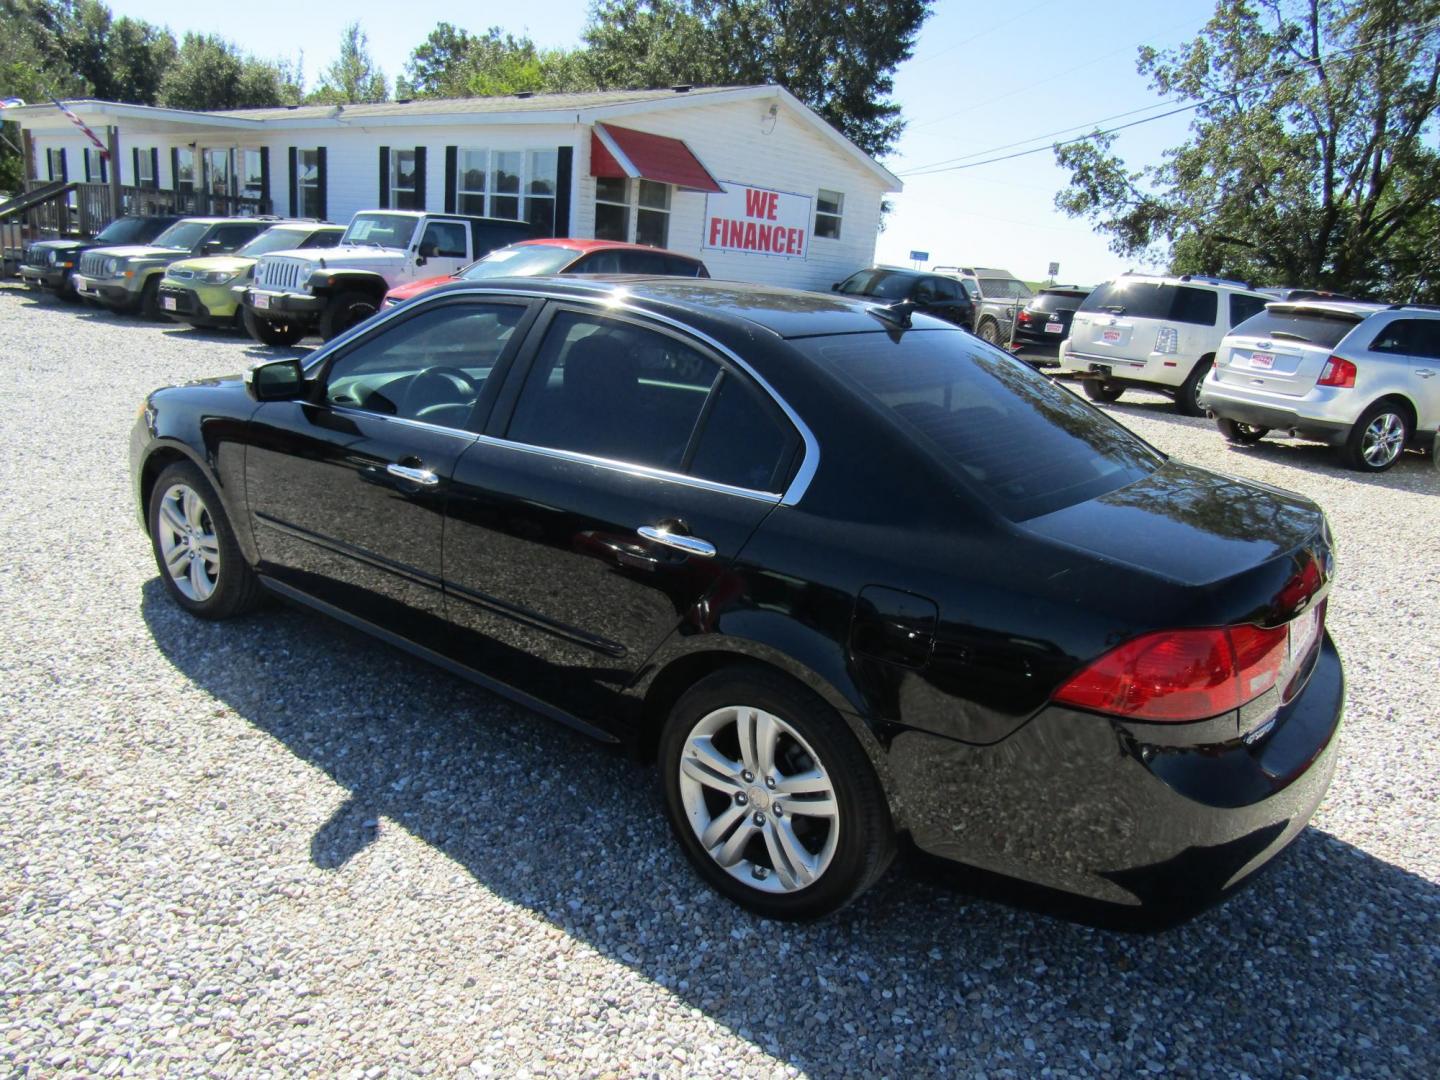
[[879, 283], [381, 230], [1056, 301], [277, 239], [1154, 300], [122, 231], [183, 235], [530, 260], [1024, 445], [1323, 328], [1004, 288]]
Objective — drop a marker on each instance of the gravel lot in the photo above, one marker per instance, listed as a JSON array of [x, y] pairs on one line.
[[274, 847]]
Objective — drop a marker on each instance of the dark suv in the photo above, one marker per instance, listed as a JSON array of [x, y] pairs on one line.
[[1044, 322], [50, 264], [934, 294]]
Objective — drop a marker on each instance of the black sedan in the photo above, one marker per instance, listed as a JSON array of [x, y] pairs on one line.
[[785, 543], [1044, 321]]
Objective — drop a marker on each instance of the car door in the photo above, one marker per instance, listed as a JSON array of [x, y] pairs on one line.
[[625, 468], [347, 488], [949, 302], [1410, 349], [445, 247]]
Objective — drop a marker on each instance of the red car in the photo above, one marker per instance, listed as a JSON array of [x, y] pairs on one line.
[[560, 255]]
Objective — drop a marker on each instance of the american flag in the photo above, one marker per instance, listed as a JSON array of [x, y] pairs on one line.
[[11, 102], [104, 152]]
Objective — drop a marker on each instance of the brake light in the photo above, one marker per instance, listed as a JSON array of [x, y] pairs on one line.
[[1180, 675], [1337, 372], [1024, 316]]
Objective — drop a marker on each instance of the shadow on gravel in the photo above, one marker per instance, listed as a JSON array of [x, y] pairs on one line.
[[1326, 966]]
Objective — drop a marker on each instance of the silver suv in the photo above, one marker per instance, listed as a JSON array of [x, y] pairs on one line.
[[1363, 377]]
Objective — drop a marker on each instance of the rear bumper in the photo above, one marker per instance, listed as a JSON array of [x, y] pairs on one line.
[[1273, 416], [286, 307], [1116, 813], [1156, 370]]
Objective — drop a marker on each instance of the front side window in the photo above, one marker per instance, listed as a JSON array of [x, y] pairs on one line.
[[402, 180], [613, 390], [880, 283], [829, 208], [632, 211], [443, 240], [182, 236], [230, 237], [971, 405], [428, 368], [308, 183]]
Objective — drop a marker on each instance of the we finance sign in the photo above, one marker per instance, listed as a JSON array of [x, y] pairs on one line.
[[757, 221]]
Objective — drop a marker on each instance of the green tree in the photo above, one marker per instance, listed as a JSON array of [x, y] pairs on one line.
[[452, 62], [211, 73], [1311, 157], [354, 76], [837, 58], [82, 48]]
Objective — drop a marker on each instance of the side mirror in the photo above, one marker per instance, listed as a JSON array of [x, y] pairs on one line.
[[421, 260], [214, 245], [835, 286], [276, 380]]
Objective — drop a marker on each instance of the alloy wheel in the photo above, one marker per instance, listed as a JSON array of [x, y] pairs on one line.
[[759, 799], [188, 544], [1383, 440]]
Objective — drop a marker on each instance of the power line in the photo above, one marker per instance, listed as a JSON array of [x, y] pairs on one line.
[[932, 170], [983, 33]]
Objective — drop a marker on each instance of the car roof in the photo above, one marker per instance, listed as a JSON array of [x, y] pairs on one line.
[[787, 313], [1202, 281], [1359, 308], [573, 243]]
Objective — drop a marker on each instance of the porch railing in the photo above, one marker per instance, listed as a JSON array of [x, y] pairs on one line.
[[86, 210]]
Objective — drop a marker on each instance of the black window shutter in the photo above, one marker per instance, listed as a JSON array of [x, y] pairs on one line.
[[452, 159], [174, 169], [294, 182], [264, 179], [320, 182], [135, 165], [384, 178], [64, 166], [154, 166], [104, 168], [419, 178], [564, 169], [87, 167]]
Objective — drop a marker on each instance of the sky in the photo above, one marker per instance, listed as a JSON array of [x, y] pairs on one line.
[[983, 76]]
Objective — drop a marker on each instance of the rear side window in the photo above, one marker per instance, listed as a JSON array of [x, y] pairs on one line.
[[1312, 328], [1243, 307], [879, 283], [684, 267], [1411, 337], [947, 289], [1150, 300], [742, 442], [1024, 445]]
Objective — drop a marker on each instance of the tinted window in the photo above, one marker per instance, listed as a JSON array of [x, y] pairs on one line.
[[1316, 328], [1026, 446], [230, 237], [488, 236], [679, 267], [879, 283], [642, 262], [444, 240], [742, 442], [182, 235], [1412, 337], [1056, 301], [925, 291], [947, 289], [1244, 307], [1149, 300], [429, 367], [1426, 339], [325, 238], [614, 390]]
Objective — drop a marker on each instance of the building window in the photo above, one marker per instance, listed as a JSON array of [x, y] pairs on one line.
[[55, 164], [184, 169], [618, 202], [308, 184], [250, 175], [540, 183], [829, 208], [146, 166], [97, 168], [402, 180], [517, 185]]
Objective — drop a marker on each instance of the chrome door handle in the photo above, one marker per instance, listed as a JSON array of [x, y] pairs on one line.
[[691, 545], [415, 476], [1425, 373]]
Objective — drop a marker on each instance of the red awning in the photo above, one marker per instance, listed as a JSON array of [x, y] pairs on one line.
[[620, 152]]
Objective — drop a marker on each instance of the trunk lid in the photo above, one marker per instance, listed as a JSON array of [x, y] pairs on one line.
[[1283, 350]]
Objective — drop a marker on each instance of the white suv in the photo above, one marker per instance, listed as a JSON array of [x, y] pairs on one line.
[[1363, 377], [1159, 333]]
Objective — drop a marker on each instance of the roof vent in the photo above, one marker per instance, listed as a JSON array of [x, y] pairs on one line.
[[681, 88], [525, 93]]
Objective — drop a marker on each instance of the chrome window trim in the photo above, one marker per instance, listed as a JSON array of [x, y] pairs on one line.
[[439, 429], [794, 492]]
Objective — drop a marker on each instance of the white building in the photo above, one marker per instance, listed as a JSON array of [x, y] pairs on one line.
[[747, 178]]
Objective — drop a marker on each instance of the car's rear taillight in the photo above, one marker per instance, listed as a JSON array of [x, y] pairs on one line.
[[1180, 675], [1024, 316], [1337, 372]]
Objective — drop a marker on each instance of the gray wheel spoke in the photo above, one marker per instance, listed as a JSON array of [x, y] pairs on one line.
[[745, 729], [767, 734], [176, 560], [730, 851], [199, 580], [786, 851], [194, 508], [706, 765], [720, 827], [209, 546], [172, 516], [822, 807], [813, 782]]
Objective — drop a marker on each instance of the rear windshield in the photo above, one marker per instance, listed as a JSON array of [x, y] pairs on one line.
[[1151, 300], [1025, 445], [1057, 301], [877, 283], [528, 261], [1310, 327]]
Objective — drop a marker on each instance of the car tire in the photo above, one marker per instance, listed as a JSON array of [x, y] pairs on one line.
[[1187, 397], [200, 562], [1377, 439], [149, 303], [1240, 434], [270, 333], [797, 840], [1102, 390], [989, 332], [345, 309], [67, 291]]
